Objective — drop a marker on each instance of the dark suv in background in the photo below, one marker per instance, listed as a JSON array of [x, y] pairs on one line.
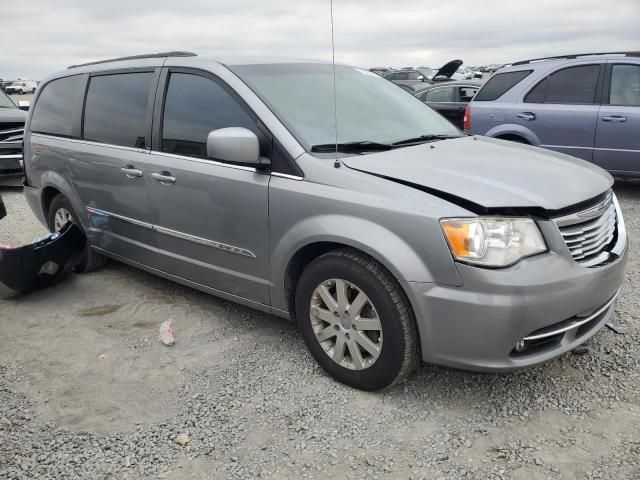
[[11, 131], [585, 105]]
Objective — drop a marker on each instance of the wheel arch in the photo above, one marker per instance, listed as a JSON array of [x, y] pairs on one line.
[[297, 249], [53, 184], [512, 130]]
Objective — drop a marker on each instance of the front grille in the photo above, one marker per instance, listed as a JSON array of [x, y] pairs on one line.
[[11, 135], [11, 132], [590, 234]]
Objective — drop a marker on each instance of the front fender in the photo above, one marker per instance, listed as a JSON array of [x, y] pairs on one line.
[[381, 243], [514, 129]]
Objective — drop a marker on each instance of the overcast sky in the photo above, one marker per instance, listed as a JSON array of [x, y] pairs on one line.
[[38, 37]]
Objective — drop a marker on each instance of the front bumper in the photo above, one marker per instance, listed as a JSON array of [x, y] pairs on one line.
[[11, 162], [551, 300]]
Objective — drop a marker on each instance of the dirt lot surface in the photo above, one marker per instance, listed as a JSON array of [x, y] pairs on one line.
[[87, 391]]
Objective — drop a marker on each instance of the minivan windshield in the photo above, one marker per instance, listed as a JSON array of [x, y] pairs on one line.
[[5, 102], [370, 109]]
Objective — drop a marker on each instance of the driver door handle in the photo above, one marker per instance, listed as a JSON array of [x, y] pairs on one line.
[[527, 115], [131, 172], [614, 118], [163, 177]]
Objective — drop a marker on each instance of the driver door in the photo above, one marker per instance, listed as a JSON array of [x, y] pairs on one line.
[[210, 217]]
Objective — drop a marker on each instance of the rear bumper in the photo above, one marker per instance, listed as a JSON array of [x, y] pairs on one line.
[[550, 301]]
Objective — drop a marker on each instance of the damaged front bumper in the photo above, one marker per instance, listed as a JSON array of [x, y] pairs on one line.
[[40, 264]]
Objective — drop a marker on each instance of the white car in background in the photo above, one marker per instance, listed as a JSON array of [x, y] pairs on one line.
[[22, 87]]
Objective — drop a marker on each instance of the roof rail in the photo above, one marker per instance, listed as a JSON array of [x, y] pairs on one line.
[[576, 55], [138, 57]]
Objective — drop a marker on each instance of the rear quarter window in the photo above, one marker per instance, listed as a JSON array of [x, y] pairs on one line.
[[53, 113], [500, 84]]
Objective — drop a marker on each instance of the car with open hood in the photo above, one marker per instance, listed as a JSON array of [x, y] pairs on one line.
[[324, 194]]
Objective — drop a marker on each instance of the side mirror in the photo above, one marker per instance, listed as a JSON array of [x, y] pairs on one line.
[[420, 77], [440, 78], [233, 144], [24, 105]]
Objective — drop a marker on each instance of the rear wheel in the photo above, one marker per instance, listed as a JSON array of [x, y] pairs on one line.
[[356, 321], [61, 212]]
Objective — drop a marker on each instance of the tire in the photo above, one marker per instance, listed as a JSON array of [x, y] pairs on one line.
[[90, 260], [21, 92], [396, 342]]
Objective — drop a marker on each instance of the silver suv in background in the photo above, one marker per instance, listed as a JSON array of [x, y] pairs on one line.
[[401, 239], [584, 105]]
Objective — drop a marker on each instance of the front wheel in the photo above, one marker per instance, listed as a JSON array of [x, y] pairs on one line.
[[356, 321], [61, 212]]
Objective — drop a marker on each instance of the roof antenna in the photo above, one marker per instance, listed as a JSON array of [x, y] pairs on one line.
[[336, 164]]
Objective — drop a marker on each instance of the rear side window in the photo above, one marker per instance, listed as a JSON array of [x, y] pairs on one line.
[[625, 85], [500, 84], [444, 94], [53, 113], [573, 85], [195, 106], [538, 94], [115, 111]]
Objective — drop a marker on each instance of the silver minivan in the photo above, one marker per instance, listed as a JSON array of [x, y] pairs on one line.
[[385, 232]]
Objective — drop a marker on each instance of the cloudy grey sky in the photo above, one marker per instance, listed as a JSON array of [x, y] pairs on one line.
[[38, 37]]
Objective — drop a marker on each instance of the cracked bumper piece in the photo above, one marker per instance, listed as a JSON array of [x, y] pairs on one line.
[[40, 264]]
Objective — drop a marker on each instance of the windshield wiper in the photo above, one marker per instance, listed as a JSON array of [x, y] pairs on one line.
[[352, 147], [423, 139]]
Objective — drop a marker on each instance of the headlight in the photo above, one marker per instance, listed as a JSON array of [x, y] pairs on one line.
[[492, 241]]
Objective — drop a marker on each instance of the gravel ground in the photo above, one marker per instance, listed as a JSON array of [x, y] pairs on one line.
[[87, 391]]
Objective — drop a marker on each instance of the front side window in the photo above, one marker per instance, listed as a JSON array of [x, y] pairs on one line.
[[369, 108], [116, 109], [194, 106], [625, 85], [499, 84], [53, 112], [573, 85], [444, 94]]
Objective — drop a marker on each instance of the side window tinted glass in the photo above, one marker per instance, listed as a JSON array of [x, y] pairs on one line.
[[573, 85], [440, 95], [500, 84], [625, 85], [538, 94], [194, 106], [116, 109], [467, 93], [53, 112]]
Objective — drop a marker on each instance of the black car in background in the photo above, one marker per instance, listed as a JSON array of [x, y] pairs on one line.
[[12, 121], [450, 99]]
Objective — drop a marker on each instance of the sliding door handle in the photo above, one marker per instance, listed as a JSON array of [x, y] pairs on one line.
[[165, 178], [614, 118], [131, 172]]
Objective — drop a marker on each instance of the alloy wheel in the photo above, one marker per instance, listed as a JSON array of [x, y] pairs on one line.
[[61, 218], [346, 324]]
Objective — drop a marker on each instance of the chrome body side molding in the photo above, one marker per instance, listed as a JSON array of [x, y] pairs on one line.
[[174, 233]]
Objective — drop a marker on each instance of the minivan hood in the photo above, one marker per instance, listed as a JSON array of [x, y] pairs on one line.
[[490, 173]]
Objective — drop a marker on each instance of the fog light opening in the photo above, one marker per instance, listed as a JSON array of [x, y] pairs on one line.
[[520, 345]]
